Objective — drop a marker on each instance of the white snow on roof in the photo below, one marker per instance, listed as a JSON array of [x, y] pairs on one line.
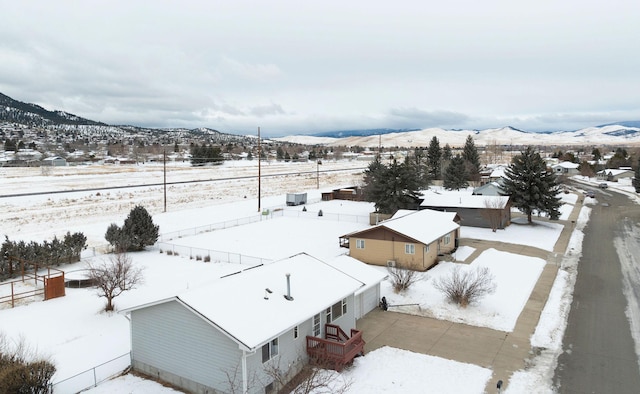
[[498, 172], [425, 226], [567, 164], [614, 171], [363, 272], [237, 303], [462, 200]]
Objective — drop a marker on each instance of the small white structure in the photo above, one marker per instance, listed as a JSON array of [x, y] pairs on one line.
[[55, 161]]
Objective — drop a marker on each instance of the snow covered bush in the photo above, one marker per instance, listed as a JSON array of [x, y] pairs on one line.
[[401, 279], [464, 288]]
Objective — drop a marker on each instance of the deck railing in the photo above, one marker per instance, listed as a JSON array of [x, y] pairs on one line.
[[337, 349]]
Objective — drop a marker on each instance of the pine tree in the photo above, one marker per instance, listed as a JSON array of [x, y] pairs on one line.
[[455, 176], [636, 179], [531, 187], [471, 156], [434, 156], [447, 154], [392, 187], [139, 228]]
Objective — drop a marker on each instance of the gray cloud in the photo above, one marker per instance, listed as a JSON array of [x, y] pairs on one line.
[[303, 67]]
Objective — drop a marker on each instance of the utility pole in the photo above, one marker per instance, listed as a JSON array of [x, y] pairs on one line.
[[259, 161], [164, 163]]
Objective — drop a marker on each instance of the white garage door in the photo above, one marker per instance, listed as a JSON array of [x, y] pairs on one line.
[[367, 301]]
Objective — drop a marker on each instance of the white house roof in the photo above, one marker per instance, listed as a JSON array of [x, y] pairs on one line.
[[567, 164], [614, 171], [236, 303], [365, 273], [463, 200], [425, 225]]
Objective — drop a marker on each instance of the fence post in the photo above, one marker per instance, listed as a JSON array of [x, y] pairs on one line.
[[12, 299], [95, 379]]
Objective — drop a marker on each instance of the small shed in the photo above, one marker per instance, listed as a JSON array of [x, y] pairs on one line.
[[296, 198], [55, 161]]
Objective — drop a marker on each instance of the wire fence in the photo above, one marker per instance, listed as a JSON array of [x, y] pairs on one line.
[[93, 376], [209, 255]]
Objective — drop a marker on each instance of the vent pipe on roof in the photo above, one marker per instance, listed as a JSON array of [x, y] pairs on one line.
[[288, 296]]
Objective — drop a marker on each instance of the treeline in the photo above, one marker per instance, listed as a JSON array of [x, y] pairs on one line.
[[205, 154], [45, 254]]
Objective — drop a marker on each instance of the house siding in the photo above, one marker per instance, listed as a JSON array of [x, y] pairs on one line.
[[171, 343], [378, 252]]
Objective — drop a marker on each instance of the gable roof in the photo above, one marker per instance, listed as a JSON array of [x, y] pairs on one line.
[[615, 171], [424, 226], [451, 200], [363, 272], [236, 303], [567, 165]]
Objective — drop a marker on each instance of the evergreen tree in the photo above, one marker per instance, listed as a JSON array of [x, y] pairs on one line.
[[455, 176], [434, 157], [392, 187], [447, 154], [636, 179], [137, 232], [279, 154], [472, 158], [139, 228], [531, 187]]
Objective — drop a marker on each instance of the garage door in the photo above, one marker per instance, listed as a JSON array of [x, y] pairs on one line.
[[367, 301]]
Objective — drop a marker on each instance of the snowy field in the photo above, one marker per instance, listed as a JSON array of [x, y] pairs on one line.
[[79, 336]]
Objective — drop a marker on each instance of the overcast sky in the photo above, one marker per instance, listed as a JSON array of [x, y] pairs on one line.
[[297, 67]]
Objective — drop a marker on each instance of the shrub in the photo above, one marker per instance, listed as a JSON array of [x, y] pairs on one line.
[[401, 279], [207, 259], [464, 288]]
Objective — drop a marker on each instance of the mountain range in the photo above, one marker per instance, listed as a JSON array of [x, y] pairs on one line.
[[625, 133]]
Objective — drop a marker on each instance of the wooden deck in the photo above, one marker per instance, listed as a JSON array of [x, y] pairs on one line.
[[336, 349]]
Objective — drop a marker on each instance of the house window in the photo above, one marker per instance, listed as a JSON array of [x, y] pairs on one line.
[[409, 248], [426, 248], [269, 350], [295, 332], [447, 239], [359, 243], [316, 325], [338, 309]]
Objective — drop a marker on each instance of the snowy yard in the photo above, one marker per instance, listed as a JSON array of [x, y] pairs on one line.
[[79, 336]]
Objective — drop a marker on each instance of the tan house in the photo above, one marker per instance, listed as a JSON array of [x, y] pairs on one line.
[[410, 239]]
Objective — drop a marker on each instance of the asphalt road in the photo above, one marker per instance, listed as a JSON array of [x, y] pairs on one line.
[[599, 352]]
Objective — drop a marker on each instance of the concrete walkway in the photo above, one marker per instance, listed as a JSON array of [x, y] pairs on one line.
[[503, 352]]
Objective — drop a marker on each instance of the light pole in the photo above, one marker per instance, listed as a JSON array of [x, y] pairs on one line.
[[318, 173]]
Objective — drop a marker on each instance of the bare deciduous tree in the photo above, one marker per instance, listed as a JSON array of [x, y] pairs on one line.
[[466, 287], [310, 379], [114, 277], [401, 278], [493, 212]]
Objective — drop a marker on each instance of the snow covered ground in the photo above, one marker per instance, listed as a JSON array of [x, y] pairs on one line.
[[79, 336]]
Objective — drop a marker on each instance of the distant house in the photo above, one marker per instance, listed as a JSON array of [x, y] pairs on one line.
[[565, 168], [615, 174], [353, 193], [55, 161], [493, 188], [226, 336], [411, 239], [474, 210]]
